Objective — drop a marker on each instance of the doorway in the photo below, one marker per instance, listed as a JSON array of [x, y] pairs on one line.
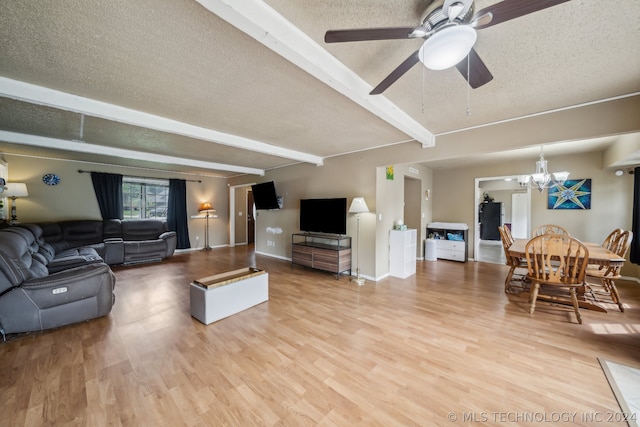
[[514, 200], [237, 220], [251, 219], [413, 208]]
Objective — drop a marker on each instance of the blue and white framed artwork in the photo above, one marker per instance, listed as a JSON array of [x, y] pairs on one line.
[[573, 194]]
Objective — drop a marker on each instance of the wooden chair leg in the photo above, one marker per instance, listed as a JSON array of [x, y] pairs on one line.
[[534, 297], [507, 282], [576, 307], [614, 293]]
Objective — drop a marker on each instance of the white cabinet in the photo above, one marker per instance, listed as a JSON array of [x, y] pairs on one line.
[[451, 249], [452, 240], [402, 253]]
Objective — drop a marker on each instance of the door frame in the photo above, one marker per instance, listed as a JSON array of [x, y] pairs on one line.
[[232, 212], [476, 223]]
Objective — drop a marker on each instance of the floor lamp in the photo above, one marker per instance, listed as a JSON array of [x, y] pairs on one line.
[[207, 210], [358, 206], [13, 190]]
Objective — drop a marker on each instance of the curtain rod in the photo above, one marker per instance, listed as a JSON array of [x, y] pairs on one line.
[[141, 177]]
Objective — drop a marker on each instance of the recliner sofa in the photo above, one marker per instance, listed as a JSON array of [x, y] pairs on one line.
[[32, 298], [57, 273]]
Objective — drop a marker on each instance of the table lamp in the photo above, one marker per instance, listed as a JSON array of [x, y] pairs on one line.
[[15, 190]]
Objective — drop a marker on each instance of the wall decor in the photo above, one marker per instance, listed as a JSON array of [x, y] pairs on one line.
[[573, 194], [390, 173], [51, 179]]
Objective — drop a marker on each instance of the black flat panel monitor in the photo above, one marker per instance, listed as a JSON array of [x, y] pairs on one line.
[[264, 196], [323, 215]]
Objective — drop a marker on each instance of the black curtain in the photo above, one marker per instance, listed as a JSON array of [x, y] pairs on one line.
[[177, 212], [108, 189], [635, 226]]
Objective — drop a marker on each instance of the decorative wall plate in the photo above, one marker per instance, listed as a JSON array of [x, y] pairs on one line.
[[51, 179]]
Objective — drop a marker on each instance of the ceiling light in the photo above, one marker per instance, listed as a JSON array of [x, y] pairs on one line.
[[542, 178], [447, 47], [619, 172]]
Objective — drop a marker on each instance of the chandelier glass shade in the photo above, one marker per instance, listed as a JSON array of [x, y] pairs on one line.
[[542, 179]]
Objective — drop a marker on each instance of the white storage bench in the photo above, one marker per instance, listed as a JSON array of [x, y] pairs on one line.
[[219, 296]]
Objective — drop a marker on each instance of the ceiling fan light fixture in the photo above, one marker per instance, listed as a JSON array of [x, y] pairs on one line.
[[447, 47]]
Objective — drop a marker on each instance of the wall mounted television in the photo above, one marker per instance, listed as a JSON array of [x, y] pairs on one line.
[[264, 196], [323, 216]]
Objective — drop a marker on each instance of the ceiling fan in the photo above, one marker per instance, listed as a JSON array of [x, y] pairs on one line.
[[449, 29]]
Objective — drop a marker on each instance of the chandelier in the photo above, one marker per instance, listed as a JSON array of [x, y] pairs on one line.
[[542, 179]]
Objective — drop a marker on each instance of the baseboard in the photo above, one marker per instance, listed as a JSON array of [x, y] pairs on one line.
[[179, 251], [273, 256], [630, 279]]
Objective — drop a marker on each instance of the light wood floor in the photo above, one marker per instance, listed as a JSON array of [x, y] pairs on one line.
[[321, 352]]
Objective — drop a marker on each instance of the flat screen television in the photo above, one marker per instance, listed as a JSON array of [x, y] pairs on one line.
[[264, 195], [323, 216]]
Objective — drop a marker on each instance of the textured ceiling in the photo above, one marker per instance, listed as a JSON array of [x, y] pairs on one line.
[[178, 61]]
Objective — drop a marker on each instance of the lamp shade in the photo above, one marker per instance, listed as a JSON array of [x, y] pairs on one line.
[[358, 205], [16, 189], [561, 177], [447, 47], [206, 207]]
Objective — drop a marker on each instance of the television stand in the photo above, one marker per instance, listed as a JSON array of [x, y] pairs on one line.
[[322, 251]]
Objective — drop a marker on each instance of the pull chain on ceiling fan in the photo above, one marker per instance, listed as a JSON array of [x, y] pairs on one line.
[[449, 30]]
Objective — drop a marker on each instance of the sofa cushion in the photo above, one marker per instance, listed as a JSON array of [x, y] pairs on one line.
[[72, 258], [16, 262], [111, 229], [52, 234], [82, 232], [44, 249], [148, 229]]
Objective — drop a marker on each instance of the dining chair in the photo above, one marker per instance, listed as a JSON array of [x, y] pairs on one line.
[[549, 229], [513, 262], [617, 242], [556, 261]]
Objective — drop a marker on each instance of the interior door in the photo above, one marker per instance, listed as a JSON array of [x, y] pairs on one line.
[[251, 220]]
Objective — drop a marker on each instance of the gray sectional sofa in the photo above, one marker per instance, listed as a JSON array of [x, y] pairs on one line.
[[57, 273], [115, 241]]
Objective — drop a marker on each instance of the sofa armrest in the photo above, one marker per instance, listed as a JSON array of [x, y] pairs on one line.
[[65, 263], [114, 251], [171, 238], [76, 275]]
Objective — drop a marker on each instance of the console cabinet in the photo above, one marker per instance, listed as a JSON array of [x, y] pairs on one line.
[[322, 252], [452, 240]]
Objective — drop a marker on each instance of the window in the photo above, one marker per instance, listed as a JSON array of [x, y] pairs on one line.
[[144, 198]]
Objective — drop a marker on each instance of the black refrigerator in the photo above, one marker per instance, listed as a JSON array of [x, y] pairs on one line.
[[490, 220]]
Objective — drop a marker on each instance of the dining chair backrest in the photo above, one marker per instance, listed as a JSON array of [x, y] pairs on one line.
[[622, 243], [506, 244], [611, 239], [556, 259], [505, 236], [549, 229]]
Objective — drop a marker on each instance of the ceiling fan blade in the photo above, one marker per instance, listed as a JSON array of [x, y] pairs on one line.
[[511, 9], [388, 33], [396, 74], [479, 74]]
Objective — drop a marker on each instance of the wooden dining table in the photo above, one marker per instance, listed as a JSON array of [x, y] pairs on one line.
[[598, 255]]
